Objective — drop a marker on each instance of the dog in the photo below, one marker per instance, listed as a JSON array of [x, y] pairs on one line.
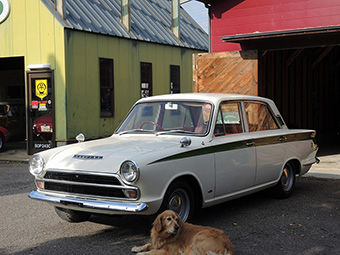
[[171, 236]]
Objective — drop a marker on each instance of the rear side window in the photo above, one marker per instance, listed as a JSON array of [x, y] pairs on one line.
[[259, 117]]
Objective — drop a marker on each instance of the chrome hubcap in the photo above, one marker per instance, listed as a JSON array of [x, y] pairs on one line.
[[179, 202], [287, 178]]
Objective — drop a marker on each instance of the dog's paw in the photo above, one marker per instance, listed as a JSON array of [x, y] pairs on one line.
[[137, 249]]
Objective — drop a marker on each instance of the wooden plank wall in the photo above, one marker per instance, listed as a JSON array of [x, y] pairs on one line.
[[304, 83], [226, 72]]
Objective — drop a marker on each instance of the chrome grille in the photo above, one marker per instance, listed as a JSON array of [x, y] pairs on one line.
[[86, 190], [87, 178], [88, 184]]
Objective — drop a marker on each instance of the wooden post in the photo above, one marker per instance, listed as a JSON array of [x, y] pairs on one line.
[[60, 7], [125, 13], [175, 17]]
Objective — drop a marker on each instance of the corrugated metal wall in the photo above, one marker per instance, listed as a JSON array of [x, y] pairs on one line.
[[83, 51]]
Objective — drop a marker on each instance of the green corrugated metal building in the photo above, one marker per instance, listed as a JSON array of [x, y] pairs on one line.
[[97, 57]]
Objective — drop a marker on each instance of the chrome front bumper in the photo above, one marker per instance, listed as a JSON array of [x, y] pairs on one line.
[[89, 205]]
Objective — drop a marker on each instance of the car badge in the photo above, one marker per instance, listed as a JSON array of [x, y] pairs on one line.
[[87, 157]]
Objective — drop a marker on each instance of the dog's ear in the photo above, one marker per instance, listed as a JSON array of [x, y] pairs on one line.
[[180, 221], [158, 223]]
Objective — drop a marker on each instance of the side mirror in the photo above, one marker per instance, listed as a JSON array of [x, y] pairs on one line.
[[80, 138], [185, 142]]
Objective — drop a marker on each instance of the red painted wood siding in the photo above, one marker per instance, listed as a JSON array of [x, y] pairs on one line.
[[250, 16]]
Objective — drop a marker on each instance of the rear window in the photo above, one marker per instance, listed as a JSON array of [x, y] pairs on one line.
[[259, 117]]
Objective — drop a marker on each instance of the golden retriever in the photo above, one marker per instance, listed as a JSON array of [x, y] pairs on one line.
[[171, 236]]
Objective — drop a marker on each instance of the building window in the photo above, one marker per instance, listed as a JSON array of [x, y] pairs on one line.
[[106, 87], [146, 79], [175, 79]]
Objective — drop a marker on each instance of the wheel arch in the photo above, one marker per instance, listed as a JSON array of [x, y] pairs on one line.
[[196, 188], [296, 165]]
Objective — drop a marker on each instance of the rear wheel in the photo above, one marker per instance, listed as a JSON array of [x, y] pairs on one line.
[[285, 186], [179, 198], [72, 216]]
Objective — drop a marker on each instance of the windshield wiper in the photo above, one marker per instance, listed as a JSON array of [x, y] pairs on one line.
[[138, 130], [175, 131]]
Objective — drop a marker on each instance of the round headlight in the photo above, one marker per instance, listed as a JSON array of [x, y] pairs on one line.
[[129, 171], [36, 165]]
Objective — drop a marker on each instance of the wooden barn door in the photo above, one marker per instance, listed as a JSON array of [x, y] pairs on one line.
[[226, 72]]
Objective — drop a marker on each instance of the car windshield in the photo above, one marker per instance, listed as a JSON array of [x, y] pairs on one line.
[[168, 118]]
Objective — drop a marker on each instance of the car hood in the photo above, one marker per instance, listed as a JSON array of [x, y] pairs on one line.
[[106, 155]]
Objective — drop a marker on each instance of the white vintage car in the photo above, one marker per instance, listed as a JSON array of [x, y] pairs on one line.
[[181, 151]]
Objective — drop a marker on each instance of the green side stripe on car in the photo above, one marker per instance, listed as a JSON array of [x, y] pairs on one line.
[[237, 145]]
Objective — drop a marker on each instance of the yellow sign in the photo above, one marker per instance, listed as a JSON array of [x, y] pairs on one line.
[[4, 10], [41, 88]]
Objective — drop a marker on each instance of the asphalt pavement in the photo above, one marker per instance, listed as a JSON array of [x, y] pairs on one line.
[[306, 224]]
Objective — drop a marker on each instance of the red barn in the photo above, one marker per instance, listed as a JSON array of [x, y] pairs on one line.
[[285, 50]]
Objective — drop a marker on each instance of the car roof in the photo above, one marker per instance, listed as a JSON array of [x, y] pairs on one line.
[[212, 97]]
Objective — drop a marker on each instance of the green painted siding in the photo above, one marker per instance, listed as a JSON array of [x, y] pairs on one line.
[[83, 94], [31, 31]]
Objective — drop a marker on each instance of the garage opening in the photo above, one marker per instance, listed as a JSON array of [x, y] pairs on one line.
[[303, 81], [12, 100], [305, 84]]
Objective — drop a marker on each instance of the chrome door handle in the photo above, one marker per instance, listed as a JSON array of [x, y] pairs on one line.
[[282, 138], [250, 143]]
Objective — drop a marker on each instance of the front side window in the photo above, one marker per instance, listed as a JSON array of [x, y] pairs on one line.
[[228, 119], [259, 117], [106, 87], [169, 118]]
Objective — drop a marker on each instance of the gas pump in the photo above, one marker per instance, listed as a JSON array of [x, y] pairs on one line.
[[40, 108]]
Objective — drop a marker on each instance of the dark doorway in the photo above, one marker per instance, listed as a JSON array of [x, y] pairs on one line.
[[12, 99], [175, 79], [304, 83]]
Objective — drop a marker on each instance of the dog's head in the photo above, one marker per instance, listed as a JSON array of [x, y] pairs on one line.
[[168, 222]]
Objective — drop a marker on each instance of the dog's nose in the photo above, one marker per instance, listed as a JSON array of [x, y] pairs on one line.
[[176, 228]]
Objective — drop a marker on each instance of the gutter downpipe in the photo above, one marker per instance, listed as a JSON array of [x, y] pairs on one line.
[[208, 6]]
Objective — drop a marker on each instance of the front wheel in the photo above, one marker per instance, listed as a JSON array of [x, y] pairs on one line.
[[72, 216], [285, 186], [179, 198]]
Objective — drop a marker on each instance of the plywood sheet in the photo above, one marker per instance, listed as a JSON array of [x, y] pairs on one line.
[[226, 72]]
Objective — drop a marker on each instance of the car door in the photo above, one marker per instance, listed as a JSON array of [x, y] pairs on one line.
[[269, 141], [235, 158]]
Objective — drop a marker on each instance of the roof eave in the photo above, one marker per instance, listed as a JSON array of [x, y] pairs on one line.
[[276, 34]]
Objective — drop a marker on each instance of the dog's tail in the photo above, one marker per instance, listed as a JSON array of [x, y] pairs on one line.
[[229, 252], [229, 247]]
